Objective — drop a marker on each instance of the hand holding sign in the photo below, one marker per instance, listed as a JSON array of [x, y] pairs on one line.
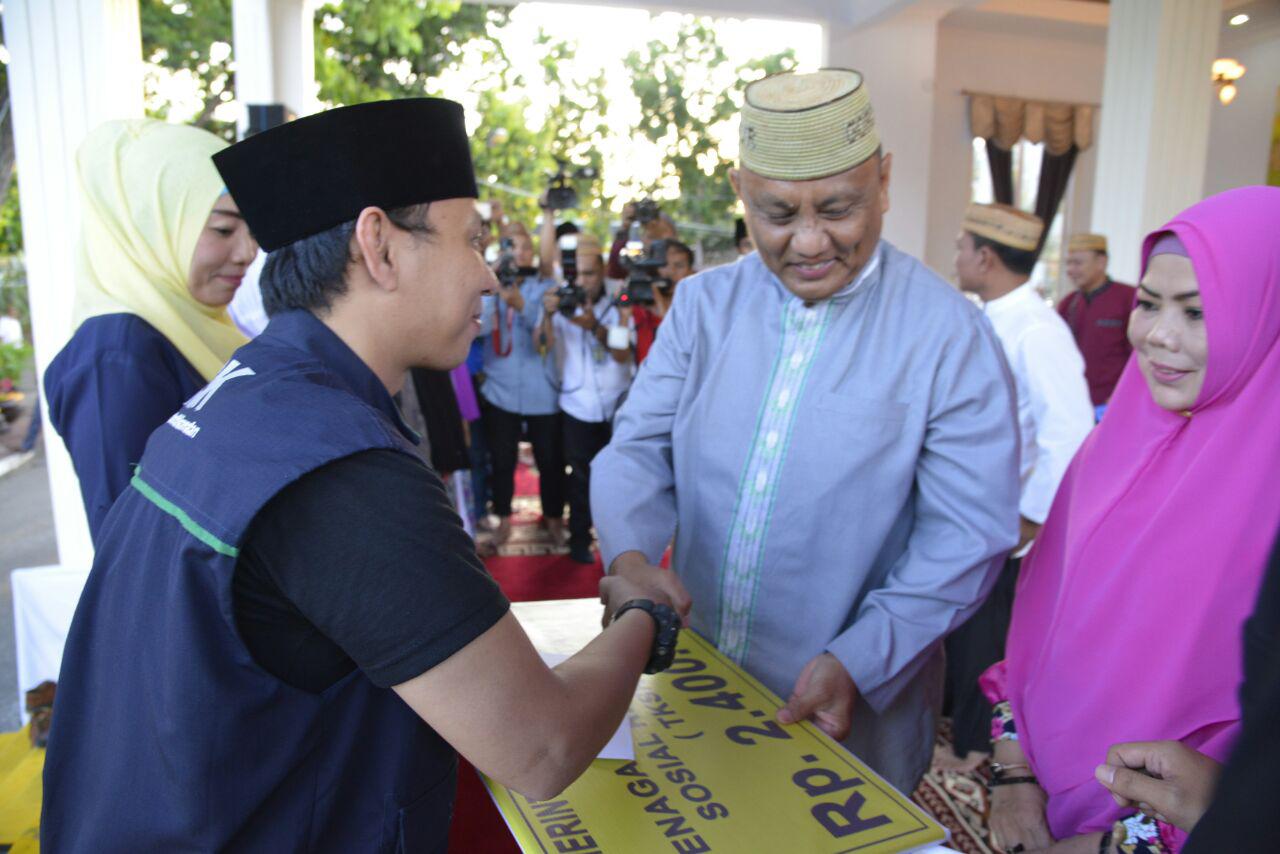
[[825, 694]]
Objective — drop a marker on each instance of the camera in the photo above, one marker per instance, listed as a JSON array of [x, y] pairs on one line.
[[642, 271], [571, 294], [508, 270], [647, 211], [561, 194]]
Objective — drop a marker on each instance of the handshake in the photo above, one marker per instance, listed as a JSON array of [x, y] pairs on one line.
[[824, 692], [633, 577]]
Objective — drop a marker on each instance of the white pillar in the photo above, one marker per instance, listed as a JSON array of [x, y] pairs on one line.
[[897, 59], [274, 54], [1154, 137], [73, 65]]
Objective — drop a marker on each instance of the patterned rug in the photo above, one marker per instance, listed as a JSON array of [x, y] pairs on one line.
[[958, 801], [529, 567]]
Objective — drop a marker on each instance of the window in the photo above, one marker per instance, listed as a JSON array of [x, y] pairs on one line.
[[1049, 275]]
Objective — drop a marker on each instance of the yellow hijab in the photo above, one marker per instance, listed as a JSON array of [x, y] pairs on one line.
[[146, 190]]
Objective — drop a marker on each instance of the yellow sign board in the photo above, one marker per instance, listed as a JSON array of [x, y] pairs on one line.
[[714, 771]]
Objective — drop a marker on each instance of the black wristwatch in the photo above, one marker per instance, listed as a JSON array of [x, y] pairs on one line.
[[664, 639]]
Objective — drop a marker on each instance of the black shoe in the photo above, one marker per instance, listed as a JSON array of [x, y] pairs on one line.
[[581, 554]]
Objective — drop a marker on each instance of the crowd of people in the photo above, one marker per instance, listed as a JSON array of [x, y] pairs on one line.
[[850, 463]]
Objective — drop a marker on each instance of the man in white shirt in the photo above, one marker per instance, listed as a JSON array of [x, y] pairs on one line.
[[995, 254], [594, 377], [11, 328]]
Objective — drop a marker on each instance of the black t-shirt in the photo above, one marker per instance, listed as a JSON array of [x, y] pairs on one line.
[[361, 563]]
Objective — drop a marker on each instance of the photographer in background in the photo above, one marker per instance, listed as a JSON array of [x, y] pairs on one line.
[[643, 221], [517, 395], [593, 348], [644, 315]]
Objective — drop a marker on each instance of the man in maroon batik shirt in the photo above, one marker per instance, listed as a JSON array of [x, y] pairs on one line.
[[1098, 314]]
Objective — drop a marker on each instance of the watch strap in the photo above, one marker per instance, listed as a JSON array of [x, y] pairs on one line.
[[667, 630]]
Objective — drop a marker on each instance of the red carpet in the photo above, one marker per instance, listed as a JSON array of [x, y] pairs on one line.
[[528, 568]]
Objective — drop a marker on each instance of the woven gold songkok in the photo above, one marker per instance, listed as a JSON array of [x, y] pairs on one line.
[[797, 127], [1005, 225], [1087, 243]]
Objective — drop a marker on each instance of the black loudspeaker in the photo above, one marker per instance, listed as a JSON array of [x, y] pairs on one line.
[[266, 116]]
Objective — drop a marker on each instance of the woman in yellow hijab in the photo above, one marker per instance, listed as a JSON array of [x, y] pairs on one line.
[[162, 249]]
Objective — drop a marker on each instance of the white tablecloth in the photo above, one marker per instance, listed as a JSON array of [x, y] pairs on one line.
[[44, 600]]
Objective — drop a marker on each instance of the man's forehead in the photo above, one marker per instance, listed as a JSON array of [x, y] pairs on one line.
[[853, 181]]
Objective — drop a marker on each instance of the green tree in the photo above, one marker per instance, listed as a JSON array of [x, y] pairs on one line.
[[369, 50], [510, 151], [10, 215], [192, 37], [685, 119], [373, 49]]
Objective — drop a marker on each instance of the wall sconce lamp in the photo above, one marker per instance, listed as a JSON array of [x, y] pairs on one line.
[[1225, 74]]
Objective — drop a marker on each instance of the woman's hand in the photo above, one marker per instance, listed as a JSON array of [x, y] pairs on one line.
[[1017, 817]]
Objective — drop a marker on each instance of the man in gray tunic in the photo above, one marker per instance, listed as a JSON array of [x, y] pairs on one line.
[[827, 428]]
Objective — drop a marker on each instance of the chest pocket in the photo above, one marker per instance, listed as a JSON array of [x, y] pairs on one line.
[[862, 427], [861, 430], [861, 408]]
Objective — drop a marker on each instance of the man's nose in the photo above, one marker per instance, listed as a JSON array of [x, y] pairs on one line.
[[811, 239]]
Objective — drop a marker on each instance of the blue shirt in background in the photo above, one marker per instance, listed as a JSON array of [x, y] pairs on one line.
[[520, 380]]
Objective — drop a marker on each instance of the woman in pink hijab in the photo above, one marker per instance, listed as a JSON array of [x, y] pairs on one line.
[[1127, 621]]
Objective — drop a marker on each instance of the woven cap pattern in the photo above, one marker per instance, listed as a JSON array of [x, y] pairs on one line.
[[1087, 243], [1005, 225], [797, 127]]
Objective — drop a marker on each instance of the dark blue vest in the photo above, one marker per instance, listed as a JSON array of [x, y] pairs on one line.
[[166, 735]]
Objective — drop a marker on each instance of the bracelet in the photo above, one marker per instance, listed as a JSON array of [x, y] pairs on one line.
[[1010, 781], [998, 769]]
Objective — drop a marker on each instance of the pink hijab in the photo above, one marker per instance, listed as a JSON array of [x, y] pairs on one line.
[[1128, 617]]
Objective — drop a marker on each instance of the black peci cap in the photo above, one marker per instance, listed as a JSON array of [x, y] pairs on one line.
[[308, 175]]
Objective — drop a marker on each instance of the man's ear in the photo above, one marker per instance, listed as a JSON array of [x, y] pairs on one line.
[[734, 181], [886, 166], [373, 239], [986, 259]]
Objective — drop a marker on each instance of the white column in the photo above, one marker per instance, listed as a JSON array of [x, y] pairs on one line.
[[73, 65], [274, 54], [897, 59], [1154, 136]]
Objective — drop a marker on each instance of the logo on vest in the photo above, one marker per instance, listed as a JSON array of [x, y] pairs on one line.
[[230, 371], [183, 425]]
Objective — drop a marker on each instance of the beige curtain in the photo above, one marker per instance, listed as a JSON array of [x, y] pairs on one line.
[[1005, 120]]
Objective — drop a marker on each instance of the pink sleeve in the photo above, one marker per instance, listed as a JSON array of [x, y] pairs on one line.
[[993, 683]]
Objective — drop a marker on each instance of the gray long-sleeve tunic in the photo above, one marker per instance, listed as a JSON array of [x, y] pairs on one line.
[[841, 477]]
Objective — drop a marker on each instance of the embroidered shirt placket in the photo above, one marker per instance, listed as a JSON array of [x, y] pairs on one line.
[[739, 577]]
